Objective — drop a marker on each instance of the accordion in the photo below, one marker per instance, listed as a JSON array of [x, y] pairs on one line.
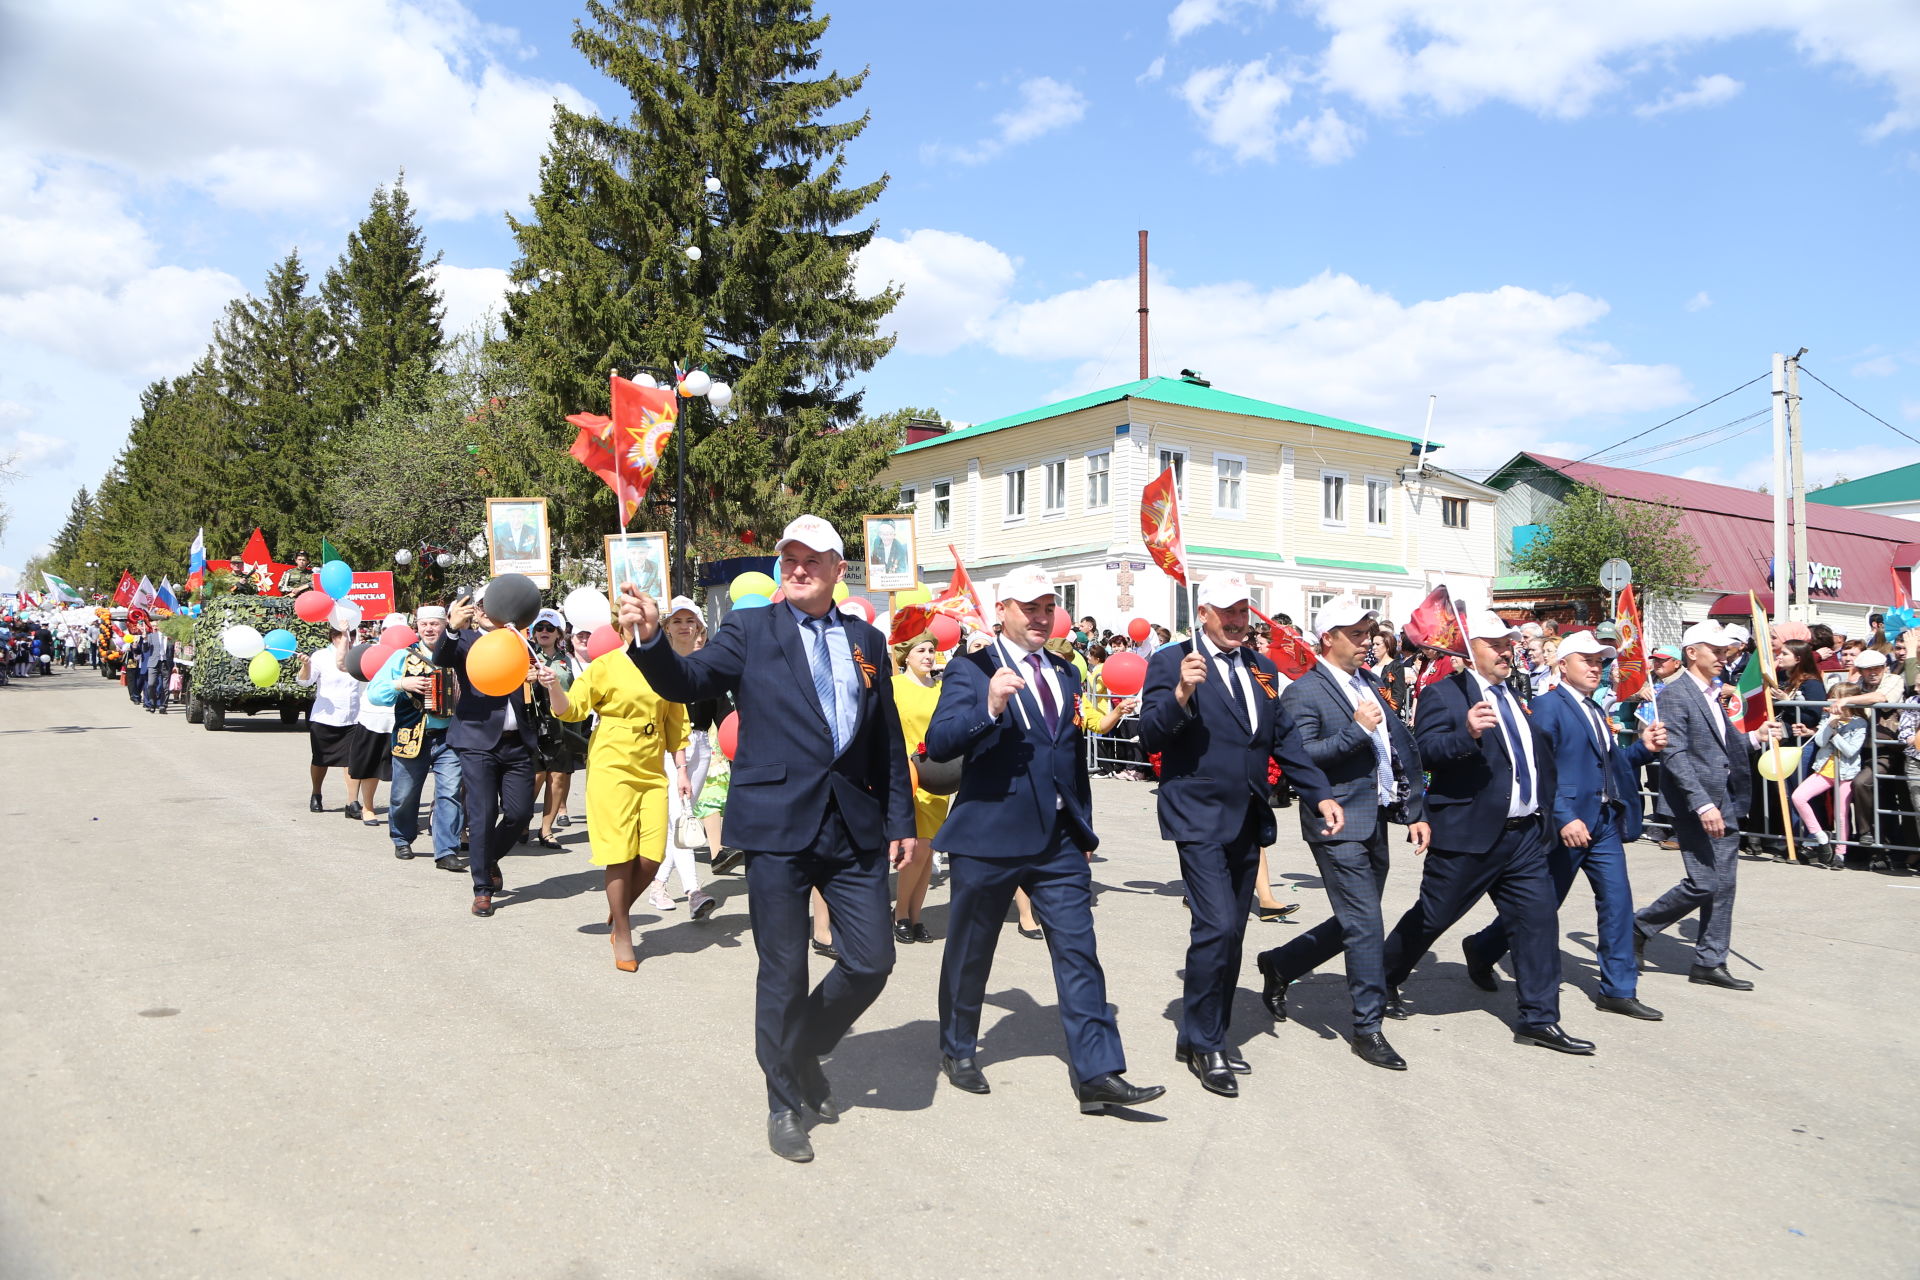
[[443, 690]]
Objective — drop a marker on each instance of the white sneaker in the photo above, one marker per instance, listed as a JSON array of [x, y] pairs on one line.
[[701, 904], [659, 900]]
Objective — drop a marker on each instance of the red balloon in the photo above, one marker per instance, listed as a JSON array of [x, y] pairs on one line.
[[1061, 624], [779, 594], [378, 655], [945, 630], [859, 605], [603, 640], [400, 637], [313, 606], [1139, 629], [1124, 673], [729, 735]]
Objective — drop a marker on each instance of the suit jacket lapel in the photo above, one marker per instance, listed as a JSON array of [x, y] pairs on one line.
[[1711, 708], [1586, 721], [1470, 687], [787, 633], [1223, 696]]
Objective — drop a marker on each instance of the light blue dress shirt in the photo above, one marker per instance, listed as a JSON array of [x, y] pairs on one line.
[[846, 677]]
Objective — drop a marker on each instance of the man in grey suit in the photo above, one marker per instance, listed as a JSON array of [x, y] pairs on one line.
[[1373, 771], [1706, 781]]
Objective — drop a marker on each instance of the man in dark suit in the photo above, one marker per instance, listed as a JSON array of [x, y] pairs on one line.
[[1490, 782], [1211, 709], [1345, 727], [1594, 809], [1022, 819], [1706, 779], [820, 799], [494, 738]]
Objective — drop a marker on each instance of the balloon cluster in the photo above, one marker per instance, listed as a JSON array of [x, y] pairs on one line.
[[328, 602]]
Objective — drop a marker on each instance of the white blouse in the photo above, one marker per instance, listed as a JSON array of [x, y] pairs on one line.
[[337, 700]]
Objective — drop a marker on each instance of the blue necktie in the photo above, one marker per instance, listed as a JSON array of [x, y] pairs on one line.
[[1503, 700], [823, 680]]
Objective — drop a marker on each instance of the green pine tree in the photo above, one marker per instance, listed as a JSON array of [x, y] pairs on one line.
[[66, 543], [383, 312], [609, 279]]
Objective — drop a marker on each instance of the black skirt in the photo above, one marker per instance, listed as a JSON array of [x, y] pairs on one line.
[[330, 743], [370, 754]]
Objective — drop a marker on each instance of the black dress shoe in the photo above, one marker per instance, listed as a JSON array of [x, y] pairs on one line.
[[1629, 1006], [403, 851], [451, 862], [963, 1075], [353, 811], [825, 949], [1371, 1046], [1036, 933], [1273, 990], [1235, 1063], [314, 805], [724, 860], [1479, 972], [1717, 976], [1550, 1036], [903, 930], [1109, 1090], [787, 1139], [920, 933], [816, 1095], [1397, 1007], [1213, 1073]]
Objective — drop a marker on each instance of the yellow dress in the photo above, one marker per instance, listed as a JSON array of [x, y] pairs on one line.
[[915, 703], [626, 774]]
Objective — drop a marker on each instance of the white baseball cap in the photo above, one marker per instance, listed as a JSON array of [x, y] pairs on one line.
[[1737, 634], [393, 620], [433, 612], [1224, 590], [1870, 658], [813, 532], [1026, 584], [549, 618], [680, 603], [1584, 642], [1706, 633], [1485, 624], [1341, 611]]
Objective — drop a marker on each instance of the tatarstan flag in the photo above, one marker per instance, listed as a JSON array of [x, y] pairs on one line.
[[1753, 676]]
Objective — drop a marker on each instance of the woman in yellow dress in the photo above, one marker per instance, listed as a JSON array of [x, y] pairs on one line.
[[915, 694], [626, 777]]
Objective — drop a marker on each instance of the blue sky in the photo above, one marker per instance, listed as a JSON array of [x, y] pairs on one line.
[[1569, 221]]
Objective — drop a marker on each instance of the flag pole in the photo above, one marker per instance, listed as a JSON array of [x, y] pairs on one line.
[[1766, 693]]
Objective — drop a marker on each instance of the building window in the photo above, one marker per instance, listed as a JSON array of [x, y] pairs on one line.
[[1376, 603], [1316, 601], [907, 495], [1257, 597], [1378, 492], [1068, 593], [1229, 484], [1333, 499], [1056, 482], [1453, 512], [1182, 609], [1176, 459], [1099, 473], [942, 504], [1016, 495]]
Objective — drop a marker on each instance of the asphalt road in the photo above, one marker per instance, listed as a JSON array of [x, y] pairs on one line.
[[238, 1039]]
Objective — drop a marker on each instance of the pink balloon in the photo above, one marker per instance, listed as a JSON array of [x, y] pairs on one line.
[[859, 605], [945, 630], [603, 640], [1061, 624], [1124, 673]]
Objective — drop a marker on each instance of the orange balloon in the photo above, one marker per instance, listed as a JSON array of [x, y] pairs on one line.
[[497, 663]]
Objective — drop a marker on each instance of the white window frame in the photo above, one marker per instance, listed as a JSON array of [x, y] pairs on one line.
[[1183, 456], [1384, 526], [1239, 510], [1346, 484], [1376, 602], [1257, 597], [1105, 473], [1068, 596], [937, 520], [1047, 509], [910, 497], [1315, 601], [1007, 486]]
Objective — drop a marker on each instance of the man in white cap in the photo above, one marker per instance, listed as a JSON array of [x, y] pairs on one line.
[[1212, 711], [1706, 777], [1595, 807], [1490, 783], [1022, 819], [820, 798], [1373, 768], [420, 746]]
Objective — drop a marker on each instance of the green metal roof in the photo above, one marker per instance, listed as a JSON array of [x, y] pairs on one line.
[[1902, 484], [1164, 391]]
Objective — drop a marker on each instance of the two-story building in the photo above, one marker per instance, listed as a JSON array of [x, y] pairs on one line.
[[1306, 506]]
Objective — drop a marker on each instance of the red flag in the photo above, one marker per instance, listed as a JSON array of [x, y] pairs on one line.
[[908, 622], [1630, 667], [1901, 600], [1287, 649], [1439, 669], [1435, 624], [123, 594], [959, 598], [625, 450], [1160, 526]]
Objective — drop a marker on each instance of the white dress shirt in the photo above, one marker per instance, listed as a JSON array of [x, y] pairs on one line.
[[1234, 667], [1516, 808]]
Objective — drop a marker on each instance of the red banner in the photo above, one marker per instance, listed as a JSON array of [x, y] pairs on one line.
[[1160, 526], [1630, 664], [1435, 624], [373, 592]]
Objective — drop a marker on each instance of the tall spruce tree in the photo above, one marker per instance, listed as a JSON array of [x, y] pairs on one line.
[[607, 278], [382, 309], [66, 543]]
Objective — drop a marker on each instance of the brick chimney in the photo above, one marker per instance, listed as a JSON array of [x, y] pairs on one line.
[[919, 429]]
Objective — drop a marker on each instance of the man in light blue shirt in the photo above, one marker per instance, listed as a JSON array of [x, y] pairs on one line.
[[419, 748]]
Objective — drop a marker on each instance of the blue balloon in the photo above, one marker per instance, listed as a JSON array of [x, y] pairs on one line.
[[336, 579], [752, 602], [776, 571], [281, 643]]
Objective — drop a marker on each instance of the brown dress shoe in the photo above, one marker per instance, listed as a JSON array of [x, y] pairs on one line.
[[482, 905]]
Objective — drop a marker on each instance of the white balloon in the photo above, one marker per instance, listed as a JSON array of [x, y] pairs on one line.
[[720, 395], [713, 185], [693, 253], [403, 556], [587, 609], [443, 559], [697, 382], [242, 642], [345, 616], [884, 621]]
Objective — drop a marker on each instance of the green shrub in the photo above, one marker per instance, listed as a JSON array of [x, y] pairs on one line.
[[219, 678]]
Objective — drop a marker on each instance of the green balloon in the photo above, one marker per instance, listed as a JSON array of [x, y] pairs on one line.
[[264, 670]]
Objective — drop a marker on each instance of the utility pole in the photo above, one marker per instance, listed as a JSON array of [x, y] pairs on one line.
[[1782, 575], [1802, 574]]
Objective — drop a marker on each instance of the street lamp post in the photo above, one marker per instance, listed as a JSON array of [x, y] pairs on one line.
[[698, 384]]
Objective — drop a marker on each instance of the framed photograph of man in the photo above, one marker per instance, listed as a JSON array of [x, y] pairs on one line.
[[640, 559], [517, 539], [893, 562]]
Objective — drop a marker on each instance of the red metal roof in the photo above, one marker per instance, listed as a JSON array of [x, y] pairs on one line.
[[1734, 530]]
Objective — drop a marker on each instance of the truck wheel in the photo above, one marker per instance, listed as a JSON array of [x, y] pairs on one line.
[[216, 719], [196, 709]]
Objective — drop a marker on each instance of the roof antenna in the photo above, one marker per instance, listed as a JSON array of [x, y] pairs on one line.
[[1143, 306]]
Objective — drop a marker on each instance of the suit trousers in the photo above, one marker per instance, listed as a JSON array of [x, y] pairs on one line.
[[154, 690], [788, 1020], [498, 785], [1515, 874], [1061, 888], [1605, 862], [1219, 879], [1711, 864], [1354, 873]]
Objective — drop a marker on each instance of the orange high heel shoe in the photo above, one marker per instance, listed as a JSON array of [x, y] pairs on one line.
[[624, 966]]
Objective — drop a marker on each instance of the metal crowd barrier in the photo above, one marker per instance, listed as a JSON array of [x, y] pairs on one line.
[[1119, 750]]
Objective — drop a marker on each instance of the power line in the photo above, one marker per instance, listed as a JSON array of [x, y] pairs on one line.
[[1670, 421], [1665, 445], [1856, 404], [1722, 440]]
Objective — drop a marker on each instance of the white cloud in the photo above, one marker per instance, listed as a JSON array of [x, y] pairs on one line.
[[1699, 301], [1239, 107], [1326, 138], [153, 323], [1822, 466], [952, 285], [1045, 105], [297, 105], [470, 295], [1707, 91], [1190, 15], [1155, 69], [1878, 367]]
